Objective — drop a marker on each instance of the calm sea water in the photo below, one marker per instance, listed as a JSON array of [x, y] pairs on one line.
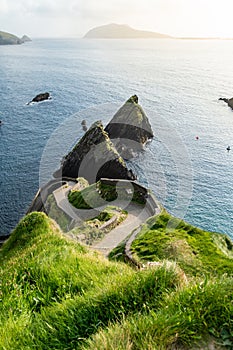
[[178, 83]]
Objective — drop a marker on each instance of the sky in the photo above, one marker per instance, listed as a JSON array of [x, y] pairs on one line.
[[73, 18]]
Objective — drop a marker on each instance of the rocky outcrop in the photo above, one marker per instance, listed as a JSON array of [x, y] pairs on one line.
[[129, 129], [94, 157], [84, 125], [40, 97], [228, 101], [10, 39], [25, 39]]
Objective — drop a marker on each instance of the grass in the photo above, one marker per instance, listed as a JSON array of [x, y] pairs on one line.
[[196, 251], [85, 199], [199, 315], [57, 294], [93, 196]]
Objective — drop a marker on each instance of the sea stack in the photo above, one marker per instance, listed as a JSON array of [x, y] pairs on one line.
[[129, 128], [25, 39], [94, 157]]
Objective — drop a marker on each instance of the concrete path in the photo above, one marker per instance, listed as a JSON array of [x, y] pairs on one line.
[[60, 196], [136, 216]]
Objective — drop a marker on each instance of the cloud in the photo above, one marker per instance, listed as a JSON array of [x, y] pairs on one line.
[[106, 8], [35, 7], [75, 17], [3, 6]]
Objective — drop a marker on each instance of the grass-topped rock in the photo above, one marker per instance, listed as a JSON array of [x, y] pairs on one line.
[[94, 157], [129, 128]]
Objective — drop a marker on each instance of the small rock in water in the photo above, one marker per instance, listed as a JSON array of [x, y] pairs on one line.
[[40, 97]]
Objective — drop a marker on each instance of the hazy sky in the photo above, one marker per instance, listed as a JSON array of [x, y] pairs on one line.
[[40, 18]]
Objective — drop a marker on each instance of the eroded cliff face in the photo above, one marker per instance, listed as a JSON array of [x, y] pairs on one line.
[[94, 157], [129, 129]]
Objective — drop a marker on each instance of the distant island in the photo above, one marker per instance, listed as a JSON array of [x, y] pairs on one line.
[[11, 39], [121, 31], [124, 31]]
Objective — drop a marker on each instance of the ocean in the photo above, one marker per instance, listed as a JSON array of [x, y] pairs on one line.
[[178, 83]]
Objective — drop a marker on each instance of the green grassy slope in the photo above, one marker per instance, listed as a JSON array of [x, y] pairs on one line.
[[196, 251], [56, 294], [198, 317]]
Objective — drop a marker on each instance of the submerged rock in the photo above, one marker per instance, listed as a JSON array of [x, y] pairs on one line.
[[94, 157], [228, 101], [129, 128]]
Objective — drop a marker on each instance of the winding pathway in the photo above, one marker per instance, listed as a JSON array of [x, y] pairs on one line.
[[136, 216], [130, 227]]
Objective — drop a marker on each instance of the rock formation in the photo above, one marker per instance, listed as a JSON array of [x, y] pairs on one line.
[[40, 97], [10, 39], [84, 125], [25, 39], [94, 157], [129, 129], [228, 101]]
